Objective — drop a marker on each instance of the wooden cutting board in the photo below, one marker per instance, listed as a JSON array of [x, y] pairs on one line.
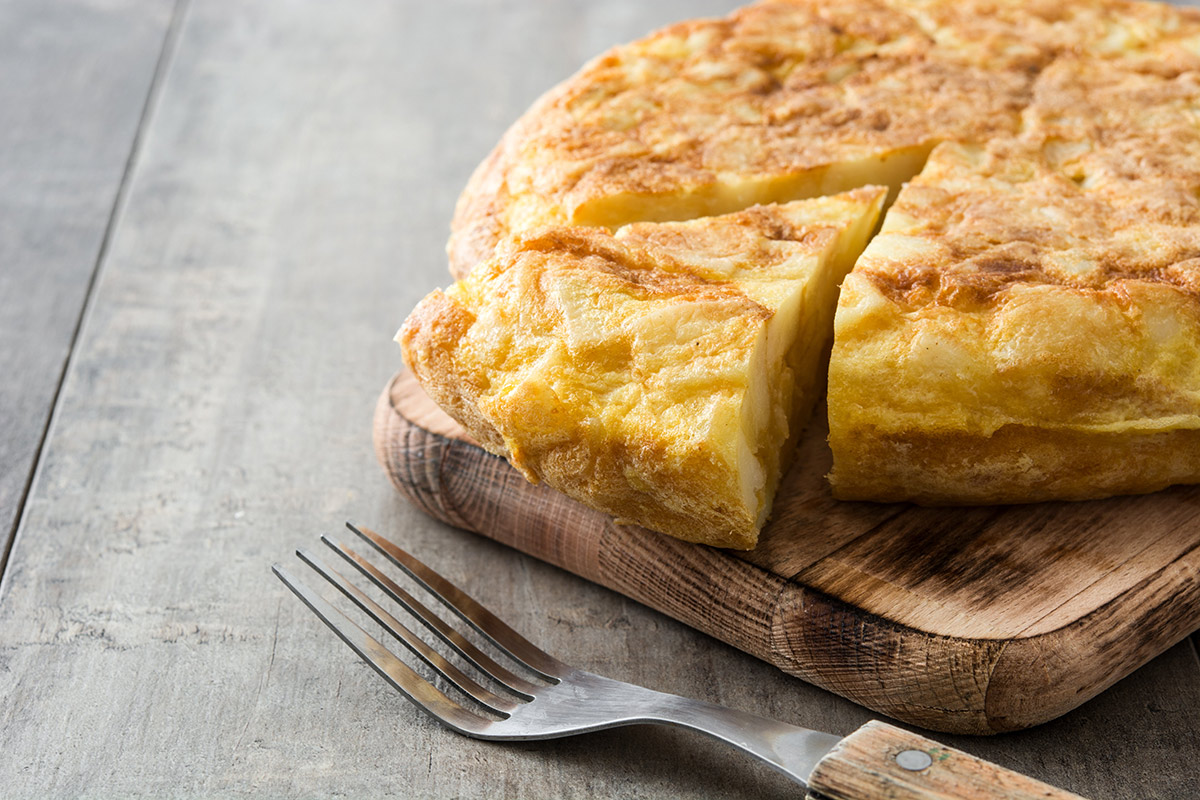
[[968, 620]]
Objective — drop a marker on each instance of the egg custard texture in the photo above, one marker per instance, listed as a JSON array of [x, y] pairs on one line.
[[1025, 326]]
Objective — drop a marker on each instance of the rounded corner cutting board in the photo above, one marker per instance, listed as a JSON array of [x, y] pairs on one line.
[[968, 620]]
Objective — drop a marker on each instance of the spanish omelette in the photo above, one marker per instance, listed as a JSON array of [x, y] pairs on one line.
[[1025, 327]]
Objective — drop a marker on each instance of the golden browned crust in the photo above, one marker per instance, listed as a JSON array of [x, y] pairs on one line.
[[771, 98], [777, 89], [429, 339]]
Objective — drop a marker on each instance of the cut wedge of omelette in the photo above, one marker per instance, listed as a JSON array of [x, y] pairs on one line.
[[661, 373], [1026, 325]]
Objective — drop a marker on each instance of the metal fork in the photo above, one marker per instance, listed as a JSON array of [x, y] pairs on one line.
[[876, 758]]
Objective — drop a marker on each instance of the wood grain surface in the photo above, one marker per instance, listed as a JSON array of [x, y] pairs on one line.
[[969, 620], [287, 206], [76, 78]]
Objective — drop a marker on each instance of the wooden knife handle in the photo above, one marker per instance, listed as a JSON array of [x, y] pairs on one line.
[[882, 761]]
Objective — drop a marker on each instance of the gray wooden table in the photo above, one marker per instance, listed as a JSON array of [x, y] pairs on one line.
[[213, 215]]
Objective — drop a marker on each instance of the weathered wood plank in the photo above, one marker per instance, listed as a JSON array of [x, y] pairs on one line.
[[289, 206], [75, 80]]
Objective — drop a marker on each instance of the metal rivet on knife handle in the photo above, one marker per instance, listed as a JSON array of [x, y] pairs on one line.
[[915, 760]]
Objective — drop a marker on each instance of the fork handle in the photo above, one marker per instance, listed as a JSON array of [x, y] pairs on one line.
[[881, 760], [878, 760]]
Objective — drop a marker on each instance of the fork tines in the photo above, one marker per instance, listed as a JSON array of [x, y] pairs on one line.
[[415, 687]]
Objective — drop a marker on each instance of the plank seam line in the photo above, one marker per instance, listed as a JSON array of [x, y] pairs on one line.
[[161, 65], [1106, 607], [1099, 579]]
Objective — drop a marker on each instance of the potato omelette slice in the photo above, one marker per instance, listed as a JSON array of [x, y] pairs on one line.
[[660, 373]]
